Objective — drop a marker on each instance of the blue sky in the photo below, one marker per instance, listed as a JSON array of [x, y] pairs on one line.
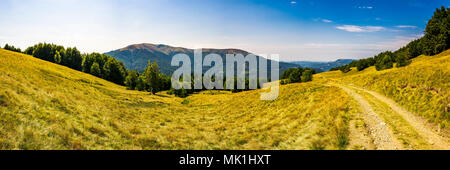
[[320, 30]]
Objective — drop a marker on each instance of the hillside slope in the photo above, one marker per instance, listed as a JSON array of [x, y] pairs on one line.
[[422, 87], [48, 106]]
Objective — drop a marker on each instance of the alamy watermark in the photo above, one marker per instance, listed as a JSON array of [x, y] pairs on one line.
[[214, 77]]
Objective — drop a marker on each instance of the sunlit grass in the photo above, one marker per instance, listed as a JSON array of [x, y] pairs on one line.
[[48, 106], [422, 87]]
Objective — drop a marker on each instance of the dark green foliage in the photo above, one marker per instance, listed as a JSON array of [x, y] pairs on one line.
[[95, 70], [114, 71], [180, 93], [12, 48], [385, 60], [99, 65], [153, 78], [132, 79], [69, 57], [307, 75], [402, 59], [104, 66], [297, 75], [29, 50], [437, 32], [365, 63], [140, 84], [73, 58], [345, 68]]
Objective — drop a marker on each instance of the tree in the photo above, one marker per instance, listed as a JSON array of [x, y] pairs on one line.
[[29, 50], [86, 65], [385, 61], [131, 79], [95, 69], [152, 77], [12, 48], [437, 31], [114, 71], [345, 69], [140, 84], [307, 75], [295, 76], [402, 59], [73, 59], [57, 57]]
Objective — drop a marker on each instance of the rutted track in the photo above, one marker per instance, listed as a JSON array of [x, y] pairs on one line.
[[382, 135], [437, 141], [379, 131]]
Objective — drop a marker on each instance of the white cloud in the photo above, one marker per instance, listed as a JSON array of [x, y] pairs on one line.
[[318, 51], [326, 21], [365, 7], [406, 26], [293, 2], [355, 28]]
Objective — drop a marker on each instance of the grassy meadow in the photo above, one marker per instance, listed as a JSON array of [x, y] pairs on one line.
[[48, 106]]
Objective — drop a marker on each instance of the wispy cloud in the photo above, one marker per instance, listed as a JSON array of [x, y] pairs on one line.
[[406, 26], [356, 28], [293, 2], [365, 7], [326, 21]]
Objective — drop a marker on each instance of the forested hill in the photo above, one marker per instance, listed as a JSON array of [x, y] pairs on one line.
[[136, 57]]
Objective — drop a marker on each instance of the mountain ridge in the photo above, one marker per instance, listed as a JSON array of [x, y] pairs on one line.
[[136, 56], [323, 65]]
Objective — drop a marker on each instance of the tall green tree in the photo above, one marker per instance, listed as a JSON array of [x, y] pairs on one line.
[[132, 79], [114, 71], [152, 77]]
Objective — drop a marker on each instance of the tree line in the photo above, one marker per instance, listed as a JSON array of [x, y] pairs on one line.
[[12, 48], [99, 65], [109, 68], [297, 75], [435, 40]]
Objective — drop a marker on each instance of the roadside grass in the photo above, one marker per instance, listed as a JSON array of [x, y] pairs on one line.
[[422, 87], [403, 131]]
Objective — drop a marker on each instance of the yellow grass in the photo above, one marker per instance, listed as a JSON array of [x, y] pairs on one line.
[[48, 106], [422, 87]]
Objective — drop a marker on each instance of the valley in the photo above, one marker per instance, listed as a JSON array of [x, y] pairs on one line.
[[48, 106]]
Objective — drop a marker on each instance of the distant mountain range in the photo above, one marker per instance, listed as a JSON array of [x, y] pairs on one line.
[[136, 57], [323, 66]]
